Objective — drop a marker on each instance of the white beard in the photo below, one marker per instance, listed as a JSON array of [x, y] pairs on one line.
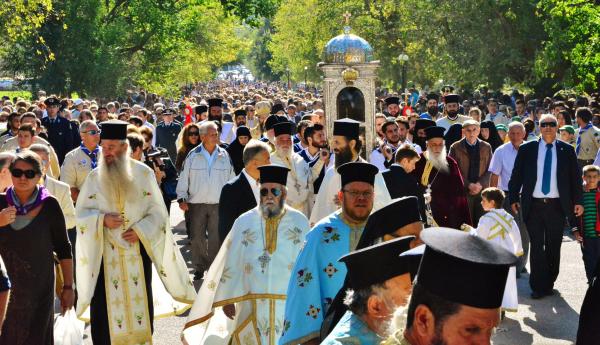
[[438, 161], [116, 178], [284, 153]]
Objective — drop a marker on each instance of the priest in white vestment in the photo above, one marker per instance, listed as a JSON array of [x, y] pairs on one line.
[[242, 299], [124, 240], [346, 146]]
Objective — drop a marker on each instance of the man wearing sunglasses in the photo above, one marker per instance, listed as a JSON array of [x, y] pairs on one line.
[[549, 180], [79, 162], [317, 275], [249, 278]]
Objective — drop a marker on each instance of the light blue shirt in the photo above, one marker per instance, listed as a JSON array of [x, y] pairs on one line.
[[537, 191], [210, 158], [502, 164], [352, 330]]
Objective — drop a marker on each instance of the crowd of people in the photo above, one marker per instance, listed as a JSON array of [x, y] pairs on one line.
[[297, 235]]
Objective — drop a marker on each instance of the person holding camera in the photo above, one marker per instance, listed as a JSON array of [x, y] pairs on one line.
[[158, 160]]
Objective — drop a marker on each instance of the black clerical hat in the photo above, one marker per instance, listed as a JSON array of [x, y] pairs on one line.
[[271, 121], [243, 131], [273, 173], [433, 96], [380, 262], [239, 112], [398, 213], [451, 98], [215, 102], [463, 268], [52, 100], [392, 100], [199, 109], [435, 132], [281, 128], [423, 124], [346, 127], [277, 108], [357, 172], [113, 130]]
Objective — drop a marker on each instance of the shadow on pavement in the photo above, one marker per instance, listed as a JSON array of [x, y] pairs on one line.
[[554, 317], [510, 332]]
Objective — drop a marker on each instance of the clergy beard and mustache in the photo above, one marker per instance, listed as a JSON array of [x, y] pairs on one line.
[[272, 210], [438, 161], [116, 178], [342, 156], [284, 153]]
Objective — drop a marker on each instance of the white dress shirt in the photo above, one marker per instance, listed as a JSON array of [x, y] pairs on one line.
[[537, 191], [254, 185], [502, 164]]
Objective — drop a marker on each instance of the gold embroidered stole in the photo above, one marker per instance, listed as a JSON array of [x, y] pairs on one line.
[[356, 231], [125, 286], [271, 225], [426, 173]]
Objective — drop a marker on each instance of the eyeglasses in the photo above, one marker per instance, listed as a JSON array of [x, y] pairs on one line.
[[275, 191], [18, 173], [92, 132], [548, 124], [356, 194], [193, 134]]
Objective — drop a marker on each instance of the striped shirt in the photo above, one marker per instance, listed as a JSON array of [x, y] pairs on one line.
[[590, 211]]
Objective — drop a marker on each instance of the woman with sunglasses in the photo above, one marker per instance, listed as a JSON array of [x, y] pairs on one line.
[[189, 139], [30, 212]]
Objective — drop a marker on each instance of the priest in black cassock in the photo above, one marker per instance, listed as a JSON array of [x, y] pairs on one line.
[[438, 175]]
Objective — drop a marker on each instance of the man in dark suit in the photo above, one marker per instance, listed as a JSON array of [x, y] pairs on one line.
[[167, 132], [397, 179], [241, 194], [549, 180], [61, 134]]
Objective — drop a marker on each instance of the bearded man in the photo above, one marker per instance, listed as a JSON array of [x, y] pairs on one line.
[[301, 175], [346, 146], [451, 107], [440, 178], [244, 293], [317, 276], [123, 229]]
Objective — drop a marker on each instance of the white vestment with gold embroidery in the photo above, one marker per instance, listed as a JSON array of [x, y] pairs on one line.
[[144, 212], [240, 275]]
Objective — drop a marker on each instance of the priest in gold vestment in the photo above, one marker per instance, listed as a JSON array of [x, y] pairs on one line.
[[243, 296], [124, 240]]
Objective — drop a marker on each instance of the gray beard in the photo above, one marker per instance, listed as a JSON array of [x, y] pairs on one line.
[[439, 161], [268, 211], [284, 153], [116, 178]]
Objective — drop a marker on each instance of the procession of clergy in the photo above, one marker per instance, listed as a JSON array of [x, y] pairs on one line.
[[376, 256]]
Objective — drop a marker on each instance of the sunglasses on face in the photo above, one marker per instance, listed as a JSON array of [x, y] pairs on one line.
[[29, 174], [92, 132], [193, 134], [275, 191], [548, 124]]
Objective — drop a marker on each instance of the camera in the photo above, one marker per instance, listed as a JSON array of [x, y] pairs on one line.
[[153, 157]]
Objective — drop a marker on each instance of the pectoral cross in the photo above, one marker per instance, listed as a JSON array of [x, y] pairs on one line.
[[264, 261]]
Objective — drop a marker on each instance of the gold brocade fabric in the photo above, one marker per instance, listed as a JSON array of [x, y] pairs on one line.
[[356, 231], [271, 225], [426, 173]]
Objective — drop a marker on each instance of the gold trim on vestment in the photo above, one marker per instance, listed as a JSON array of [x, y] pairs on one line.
[[426, 172], [271, 321], [231, 301], [304, 339], [271, 226]]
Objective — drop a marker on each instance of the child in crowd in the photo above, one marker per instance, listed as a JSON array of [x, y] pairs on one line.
[[499, 226], [588, 232], [567, 134]]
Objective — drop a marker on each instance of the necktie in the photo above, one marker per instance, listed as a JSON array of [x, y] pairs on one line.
[[547, 170]]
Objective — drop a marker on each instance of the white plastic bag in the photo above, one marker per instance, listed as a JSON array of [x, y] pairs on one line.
[[68, 329]]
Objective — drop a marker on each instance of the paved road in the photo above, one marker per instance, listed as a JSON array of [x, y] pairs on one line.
[[550, 321]]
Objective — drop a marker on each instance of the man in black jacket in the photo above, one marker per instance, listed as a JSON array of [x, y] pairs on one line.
[[241, 194], [549, 180], [398, 181], [61, 134]]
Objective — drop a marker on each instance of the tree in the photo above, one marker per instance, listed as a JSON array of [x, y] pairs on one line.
[[570, 57]]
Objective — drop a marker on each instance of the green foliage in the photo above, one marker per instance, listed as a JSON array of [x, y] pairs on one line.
[[26, 95], [251, 11], [104, 47], [571, 54]]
